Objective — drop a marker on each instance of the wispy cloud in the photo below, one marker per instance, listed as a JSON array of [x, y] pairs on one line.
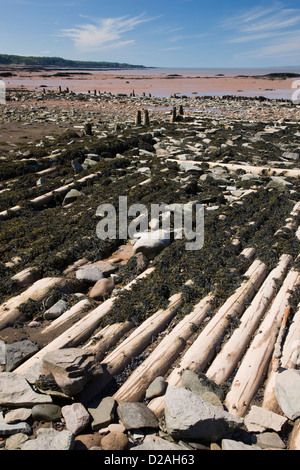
[[104, 33], [275, 30]]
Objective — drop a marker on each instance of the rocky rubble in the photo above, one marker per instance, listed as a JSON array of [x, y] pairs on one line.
[[192, 421]]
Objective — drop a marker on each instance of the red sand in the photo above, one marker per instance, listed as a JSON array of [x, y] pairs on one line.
[[156, 85]]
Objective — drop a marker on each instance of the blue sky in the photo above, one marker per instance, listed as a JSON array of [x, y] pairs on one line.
[[160, 33]]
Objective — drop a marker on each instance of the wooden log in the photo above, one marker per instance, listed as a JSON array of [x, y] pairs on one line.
[[289, 360], [131, 347], [251, 372], [142, 336], [228, 358], [108, 337], [161, 359], [79, 332], [255, 170], [78, 308], [199, 353], [9, 310], [203, 349]]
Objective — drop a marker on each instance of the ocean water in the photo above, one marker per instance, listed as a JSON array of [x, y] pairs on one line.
[[206, 72]]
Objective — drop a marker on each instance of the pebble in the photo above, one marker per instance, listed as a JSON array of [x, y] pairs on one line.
[[76, 417], [87, 441], [47, 412], [114, 441]]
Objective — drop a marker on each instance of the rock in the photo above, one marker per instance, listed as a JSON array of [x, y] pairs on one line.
[[47, 412], [152, 442], [71, 196], [50, 439], [103, 414], [287, 392], [19, 352], [71, 369], [77, 167], [189, 417], [114, 427], [152, 243], [114, 441], [16, 391], [76, 417], [156, 388], [142, 262], [9, 429], [56, 310], [15, 441], [89, 275], [228, 444], [278, 183], [202, 386], [15, 416], [87, 441], [291, 156], [102, 289], [136, 416], [259, 419], [106, 268], [2, 356], [294, 441], [270, 440]]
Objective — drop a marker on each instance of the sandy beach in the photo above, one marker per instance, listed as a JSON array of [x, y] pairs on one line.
[[148, 82]]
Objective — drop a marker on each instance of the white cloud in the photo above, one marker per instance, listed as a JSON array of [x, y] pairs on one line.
[[275, 29], [104, 33]]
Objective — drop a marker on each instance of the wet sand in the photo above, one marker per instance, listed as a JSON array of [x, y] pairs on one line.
[[125, 81]]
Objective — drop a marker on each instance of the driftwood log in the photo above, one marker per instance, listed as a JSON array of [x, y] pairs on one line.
[[163, 356], [228, 358], [203, 348], [80, 331], [253, 368]]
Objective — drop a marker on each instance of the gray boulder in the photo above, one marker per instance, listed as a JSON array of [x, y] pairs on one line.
[[71, 368], [19, 352], [137, 416], [287, 392], [152, 442], [202, 386], [103, 414], [189, 417], [152, 243], [76, 417], [156, 388], [50, 439], [56, 310], [89, 275], [16, 391]]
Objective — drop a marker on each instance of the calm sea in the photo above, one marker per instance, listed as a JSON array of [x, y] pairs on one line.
[[208, 72]]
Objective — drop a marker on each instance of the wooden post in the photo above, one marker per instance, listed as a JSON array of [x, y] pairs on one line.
[[173, 114], [88, 129], [138, 118], [146, 120]]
